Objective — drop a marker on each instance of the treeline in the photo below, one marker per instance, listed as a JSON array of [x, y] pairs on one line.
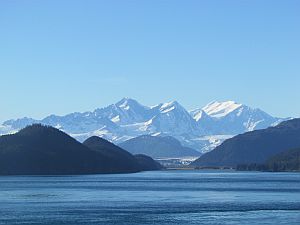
[[283, 162]]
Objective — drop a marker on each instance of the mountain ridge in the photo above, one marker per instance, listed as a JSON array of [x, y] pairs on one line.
[[128, 119], [253, 147]]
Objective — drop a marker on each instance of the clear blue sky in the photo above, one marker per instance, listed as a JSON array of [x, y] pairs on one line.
[[64, 56]]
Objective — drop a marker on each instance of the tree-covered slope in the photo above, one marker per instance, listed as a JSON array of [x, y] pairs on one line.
[[285, 161], [118, 159], [41, 149], [254, 147]]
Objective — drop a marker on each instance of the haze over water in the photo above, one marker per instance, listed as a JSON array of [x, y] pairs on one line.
[[163, 197]]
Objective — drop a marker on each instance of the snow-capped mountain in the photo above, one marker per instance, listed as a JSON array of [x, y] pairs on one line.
[[202, 129], [220, 109], [126, 111], [172, 118], [232, 118]]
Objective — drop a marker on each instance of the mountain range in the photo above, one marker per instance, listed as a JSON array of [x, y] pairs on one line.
[[202, 129]]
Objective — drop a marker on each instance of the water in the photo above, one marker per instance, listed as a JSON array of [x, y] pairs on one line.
[[163, 197]]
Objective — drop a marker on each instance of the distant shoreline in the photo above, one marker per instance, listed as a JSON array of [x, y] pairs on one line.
[[230, 169]]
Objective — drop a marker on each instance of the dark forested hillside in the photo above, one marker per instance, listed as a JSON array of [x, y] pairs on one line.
[[147, 163], [285, 161], [118, 159], [254, 147], [39, 149]]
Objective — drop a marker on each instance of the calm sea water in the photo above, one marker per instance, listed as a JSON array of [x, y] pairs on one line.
[[164, 197]]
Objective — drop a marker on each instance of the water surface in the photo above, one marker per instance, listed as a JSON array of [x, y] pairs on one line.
[[162, 197]]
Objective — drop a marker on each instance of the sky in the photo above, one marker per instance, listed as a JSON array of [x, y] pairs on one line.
[[58, 57]]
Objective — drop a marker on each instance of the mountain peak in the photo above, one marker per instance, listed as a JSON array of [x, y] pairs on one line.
[[198, 114], [40, 130], [95, 140], [126, 103], [220, 109], [169, 106]]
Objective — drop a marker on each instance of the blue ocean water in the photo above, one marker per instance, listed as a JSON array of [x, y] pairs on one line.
[[162, 197]]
